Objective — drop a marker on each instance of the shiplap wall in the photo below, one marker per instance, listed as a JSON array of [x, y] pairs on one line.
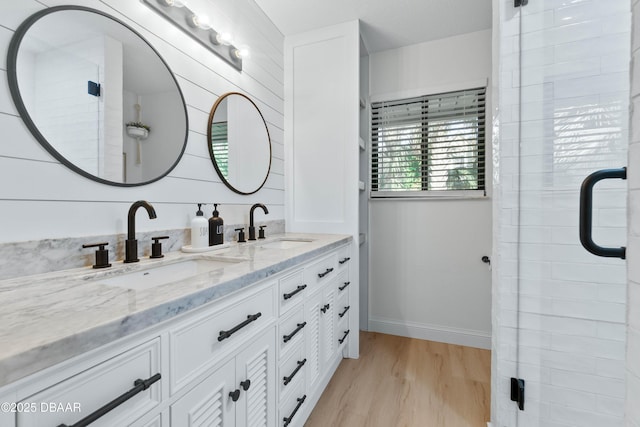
[[40, 198]]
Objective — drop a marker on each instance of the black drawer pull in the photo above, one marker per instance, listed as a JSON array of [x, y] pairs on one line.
[[342, 288], [287, 420], [288, 379], [287, 338], [234, 395], [344, 337], [138, 386], [327, 271], [342, 261], [250, 318], [345, 311], [325, 308], [245, 384], [298, 289]]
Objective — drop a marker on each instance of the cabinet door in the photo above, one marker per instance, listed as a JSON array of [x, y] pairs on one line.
[[312, 339], [327, 322], [255, 378], [209, 403]]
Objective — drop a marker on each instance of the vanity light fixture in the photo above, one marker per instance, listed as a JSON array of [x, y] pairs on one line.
[[199, 28]]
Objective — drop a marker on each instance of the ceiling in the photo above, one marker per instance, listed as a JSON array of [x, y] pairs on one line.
[[386, 24]]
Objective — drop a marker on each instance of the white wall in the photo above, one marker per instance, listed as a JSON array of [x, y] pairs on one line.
[[633, 250], [40, 198], [426, 276]]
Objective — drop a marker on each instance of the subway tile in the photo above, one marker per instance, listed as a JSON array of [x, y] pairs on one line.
[[582, 418], [587, 382], [598, 310]]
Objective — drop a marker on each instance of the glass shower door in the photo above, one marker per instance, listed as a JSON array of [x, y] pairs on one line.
[[572, 121]]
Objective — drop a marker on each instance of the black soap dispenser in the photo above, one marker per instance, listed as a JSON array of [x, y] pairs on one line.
[[216, 228]]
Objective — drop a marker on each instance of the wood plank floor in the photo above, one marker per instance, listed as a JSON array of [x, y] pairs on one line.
[[405, 382]]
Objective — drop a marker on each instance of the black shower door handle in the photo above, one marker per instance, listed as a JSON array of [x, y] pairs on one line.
[[586, 212]]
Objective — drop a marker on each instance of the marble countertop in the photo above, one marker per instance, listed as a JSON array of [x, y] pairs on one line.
[[49, 318]]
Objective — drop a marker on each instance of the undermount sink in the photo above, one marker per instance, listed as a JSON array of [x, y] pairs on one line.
[[285, 243], [168, 273]]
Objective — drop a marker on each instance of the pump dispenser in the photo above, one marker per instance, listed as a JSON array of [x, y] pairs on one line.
[[199, 230], [216, 228]]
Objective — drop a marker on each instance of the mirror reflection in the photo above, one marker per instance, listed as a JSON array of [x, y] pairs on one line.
[[97, 96], [239, 143]]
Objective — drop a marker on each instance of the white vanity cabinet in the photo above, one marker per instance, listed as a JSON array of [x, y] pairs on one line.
[[259, 356], [240, 392]]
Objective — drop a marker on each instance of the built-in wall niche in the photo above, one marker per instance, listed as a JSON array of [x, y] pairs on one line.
[[97, 96]]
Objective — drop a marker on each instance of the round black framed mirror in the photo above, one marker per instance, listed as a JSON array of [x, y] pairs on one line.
[[239, 143], [97, 96]]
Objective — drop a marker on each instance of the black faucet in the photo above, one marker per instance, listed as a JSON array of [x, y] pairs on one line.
[[131, 245], [252, 229]]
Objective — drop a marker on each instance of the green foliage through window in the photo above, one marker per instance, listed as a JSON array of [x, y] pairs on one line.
[[429, 143]]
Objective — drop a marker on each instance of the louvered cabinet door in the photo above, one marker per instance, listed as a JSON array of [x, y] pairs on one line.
[[208, 404], [255, 378]]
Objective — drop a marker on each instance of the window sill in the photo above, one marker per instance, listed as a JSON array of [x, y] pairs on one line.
[[428, 195]]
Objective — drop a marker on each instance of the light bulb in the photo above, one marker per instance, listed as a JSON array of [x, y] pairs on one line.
[[201, 21], [224, 38], [242, 52]]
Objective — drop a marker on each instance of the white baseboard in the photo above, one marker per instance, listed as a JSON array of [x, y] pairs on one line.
[[469, 338]]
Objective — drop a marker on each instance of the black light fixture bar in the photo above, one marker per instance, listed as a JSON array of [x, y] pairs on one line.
[[182, 17]]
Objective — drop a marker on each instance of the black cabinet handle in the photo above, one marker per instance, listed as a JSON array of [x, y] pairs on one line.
[[288, 379], [342, 288], [298, 289], [325, 308], [327, 271], [287, 420], [250, 318], [344, 337], [245, 384], [287, 338], [138, 386], [234, 395], [586, 201], [345, 311], [342, 261]]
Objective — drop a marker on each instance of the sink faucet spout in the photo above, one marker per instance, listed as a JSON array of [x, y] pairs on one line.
[[131, 245], [252, 229]]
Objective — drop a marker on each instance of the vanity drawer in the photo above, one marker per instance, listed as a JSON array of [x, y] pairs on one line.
[[320, 271], [292, 291], [291, 330], [199, 343], [343, 284], [81, 395], [344, 257], [292, 407], [292, 370]]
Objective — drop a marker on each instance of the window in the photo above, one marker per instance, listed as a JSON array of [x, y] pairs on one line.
[[428, 143], [220, 146]]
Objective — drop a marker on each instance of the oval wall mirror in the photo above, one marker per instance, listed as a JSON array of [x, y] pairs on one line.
[[239, 143], [97, 96]]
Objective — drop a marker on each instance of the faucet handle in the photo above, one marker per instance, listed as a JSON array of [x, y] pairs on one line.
[[240, 235], [261, 232], [156, 247], [102, 254]]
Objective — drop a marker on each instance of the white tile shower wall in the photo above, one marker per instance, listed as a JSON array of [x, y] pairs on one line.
[[41, 199], [559, 312], [632, 413]]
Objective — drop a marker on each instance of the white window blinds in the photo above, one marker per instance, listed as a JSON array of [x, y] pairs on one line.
[[428, 143]]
